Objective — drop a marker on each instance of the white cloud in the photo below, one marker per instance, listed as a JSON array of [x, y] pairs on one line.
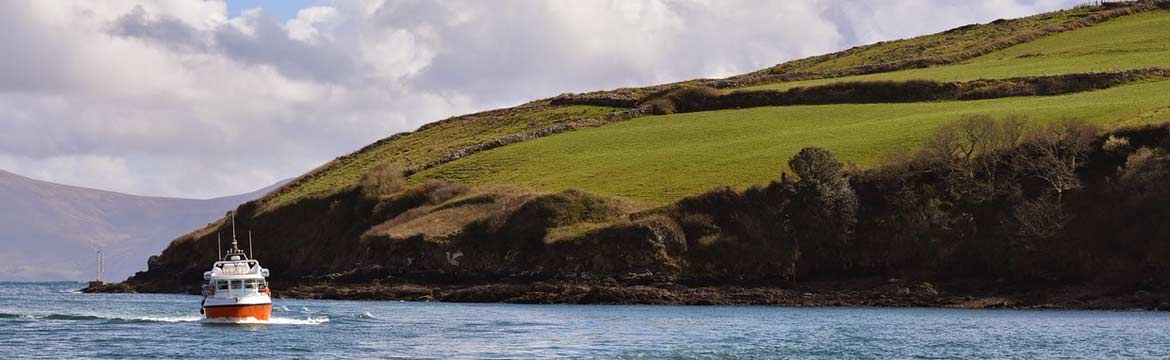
[[176, 98], [313, 23]]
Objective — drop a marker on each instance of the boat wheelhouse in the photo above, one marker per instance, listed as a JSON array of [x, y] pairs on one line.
[[237, 287]]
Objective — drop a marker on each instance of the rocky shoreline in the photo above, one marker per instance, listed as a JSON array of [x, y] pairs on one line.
[[860, 293]]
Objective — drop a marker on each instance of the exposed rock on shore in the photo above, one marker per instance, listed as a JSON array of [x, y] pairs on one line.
[[865, 293]]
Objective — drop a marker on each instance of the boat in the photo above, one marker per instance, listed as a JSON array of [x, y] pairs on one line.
[[237, 286]]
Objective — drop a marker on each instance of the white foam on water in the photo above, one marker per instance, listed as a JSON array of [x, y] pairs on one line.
[[272, 321], [306, 321], [84, 317], [171, 319], [283, 308], [305, 309]]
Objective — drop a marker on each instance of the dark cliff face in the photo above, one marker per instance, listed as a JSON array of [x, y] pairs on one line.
[[436, 232]]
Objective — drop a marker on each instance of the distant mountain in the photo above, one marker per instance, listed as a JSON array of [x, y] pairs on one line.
[[51, 231]]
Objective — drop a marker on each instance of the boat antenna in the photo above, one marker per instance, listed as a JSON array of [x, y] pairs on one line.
[[235, 246], [250, 252], [218, 247]]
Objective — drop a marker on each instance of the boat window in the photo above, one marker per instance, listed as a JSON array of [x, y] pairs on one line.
[[237, 284], [263, 283], [221, 285], [249, 283]]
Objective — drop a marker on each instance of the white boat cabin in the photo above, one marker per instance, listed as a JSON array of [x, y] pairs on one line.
[[236, 276]]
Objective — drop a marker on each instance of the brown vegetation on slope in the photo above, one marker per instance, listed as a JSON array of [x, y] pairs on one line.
[[697, 98]]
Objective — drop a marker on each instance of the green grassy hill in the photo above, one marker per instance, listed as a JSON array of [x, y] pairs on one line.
[[662, 158], [427, 144], [657, 159], [529, 192], [1134, 41]]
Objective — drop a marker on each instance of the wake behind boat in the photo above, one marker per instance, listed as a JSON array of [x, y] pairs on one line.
[[236, 288]]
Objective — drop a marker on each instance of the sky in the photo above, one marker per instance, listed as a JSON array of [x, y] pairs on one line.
[[200, 99]]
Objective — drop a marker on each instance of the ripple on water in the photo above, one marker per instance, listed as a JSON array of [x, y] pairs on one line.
[[69, 325]]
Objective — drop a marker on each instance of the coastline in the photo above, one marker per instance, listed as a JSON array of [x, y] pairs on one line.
[[857, 293]]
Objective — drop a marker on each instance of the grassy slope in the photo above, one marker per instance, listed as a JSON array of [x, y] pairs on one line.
[[439, 139], [1130, 42], [944, 44], [429, 143], [661, 158]]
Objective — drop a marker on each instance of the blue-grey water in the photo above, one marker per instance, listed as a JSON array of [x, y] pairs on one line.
[[53, 320]]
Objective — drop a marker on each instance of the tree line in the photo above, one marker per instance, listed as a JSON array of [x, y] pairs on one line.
[[985, 198]]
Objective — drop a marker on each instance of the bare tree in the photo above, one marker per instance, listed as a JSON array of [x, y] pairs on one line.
[[1042, 218], [971, 147], [1003, 135], [1055, 153], [1053, 156]]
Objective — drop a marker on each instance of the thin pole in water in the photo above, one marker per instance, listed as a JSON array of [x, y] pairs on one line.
[[99, 266]]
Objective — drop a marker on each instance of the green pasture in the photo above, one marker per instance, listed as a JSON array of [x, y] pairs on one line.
[[662, 158], [1130, 42]]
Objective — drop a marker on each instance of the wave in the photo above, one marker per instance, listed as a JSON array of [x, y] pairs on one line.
[[166, 319], [270, 321], [170, 319], [80, 317], [73, 317]]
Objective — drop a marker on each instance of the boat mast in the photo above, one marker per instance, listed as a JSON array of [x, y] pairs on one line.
[[235, 250], [250, 252], [218, 247], [235, 246]]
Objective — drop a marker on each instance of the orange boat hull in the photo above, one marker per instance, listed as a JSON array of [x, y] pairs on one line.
[[256, 311]]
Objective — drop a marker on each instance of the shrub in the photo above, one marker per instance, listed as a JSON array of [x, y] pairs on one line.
[[1116, 144], [382, 180], [661, 106], [815, 166], [685, 99], [1145, 169]]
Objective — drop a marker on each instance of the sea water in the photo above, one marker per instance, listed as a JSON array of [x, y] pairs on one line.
[[54, 320]]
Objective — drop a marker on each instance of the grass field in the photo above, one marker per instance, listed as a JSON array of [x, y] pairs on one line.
[[662, 158], [1130, 42], [430, 143], [943, 44], [658, 159]]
